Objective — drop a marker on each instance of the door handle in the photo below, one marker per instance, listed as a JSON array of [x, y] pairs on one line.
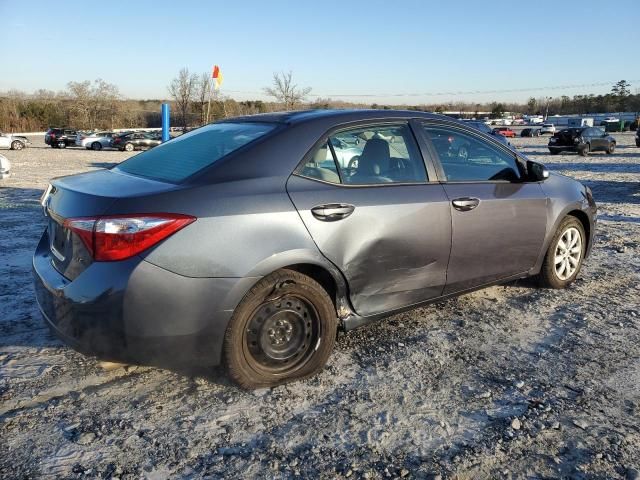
[[332, 211], [465, 204]]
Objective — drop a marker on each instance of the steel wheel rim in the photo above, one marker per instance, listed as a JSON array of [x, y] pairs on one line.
[[281, 335], [568, 253]]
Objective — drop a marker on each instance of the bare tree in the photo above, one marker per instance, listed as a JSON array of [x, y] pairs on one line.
[[182, 90], [202, 87], [287, 92], [94, 104]]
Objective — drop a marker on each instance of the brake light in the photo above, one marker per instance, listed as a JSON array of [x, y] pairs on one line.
[[118, 237]]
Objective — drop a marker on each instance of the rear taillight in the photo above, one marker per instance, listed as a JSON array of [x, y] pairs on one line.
[[53, 135], [119, 237]]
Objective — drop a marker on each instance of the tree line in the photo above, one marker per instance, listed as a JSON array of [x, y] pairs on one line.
[[100, 105]]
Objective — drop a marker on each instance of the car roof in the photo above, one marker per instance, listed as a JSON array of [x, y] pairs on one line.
[[303, 116]]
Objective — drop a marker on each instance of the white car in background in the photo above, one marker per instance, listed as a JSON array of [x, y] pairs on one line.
[[13, 142], [548, 128], [5, 167], [95, 141]]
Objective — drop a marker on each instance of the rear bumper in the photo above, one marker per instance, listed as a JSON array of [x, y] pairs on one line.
[[132, 311]]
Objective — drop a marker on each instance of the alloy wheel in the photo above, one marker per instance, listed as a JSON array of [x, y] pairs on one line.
[[568, 253]]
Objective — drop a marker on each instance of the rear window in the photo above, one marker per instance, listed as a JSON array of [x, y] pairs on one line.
[[183, 156]]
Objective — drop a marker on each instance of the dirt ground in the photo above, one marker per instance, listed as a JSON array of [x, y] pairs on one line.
[[508, 382]]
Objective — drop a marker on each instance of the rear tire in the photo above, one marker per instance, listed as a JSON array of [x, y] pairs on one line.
[[129, 147], [16, 145], [62, 145], [283, 330], [611, 149], [564, 256], [96, 146]]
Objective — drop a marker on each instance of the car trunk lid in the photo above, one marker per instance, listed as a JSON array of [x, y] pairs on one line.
[[87, 195]]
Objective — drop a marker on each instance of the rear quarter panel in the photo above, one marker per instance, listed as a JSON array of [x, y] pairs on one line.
[[246, 228]]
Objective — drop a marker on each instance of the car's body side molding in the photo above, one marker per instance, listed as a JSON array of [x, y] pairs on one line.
[[354, 321]]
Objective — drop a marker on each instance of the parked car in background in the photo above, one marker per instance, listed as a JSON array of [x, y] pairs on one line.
[[638, 137], [484, 128], [96, 141], [135, 141], [234, 245], [505, 132], [13, 142], [530, 132], [582, 140], [5, 167], [549, 128], [60, 137]]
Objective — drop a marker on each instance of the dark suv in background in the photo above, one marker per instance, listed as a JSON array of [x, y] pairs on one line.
[[60, 137], [582, 140]]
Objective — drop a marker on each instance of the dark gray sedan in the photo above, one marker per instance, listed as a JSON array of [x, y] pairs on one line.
[[248, 243]]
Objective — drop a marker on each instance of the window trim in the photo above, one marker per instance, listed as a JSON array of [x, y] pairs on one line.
[[426, 123], [363, 124]]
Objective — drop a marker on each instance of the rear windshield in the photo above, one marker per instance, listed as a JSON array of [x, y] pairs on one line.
[[183, 156]]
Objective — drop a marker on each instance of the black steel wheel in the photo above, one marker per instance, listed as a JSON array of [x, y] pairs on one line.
[[284, 329]]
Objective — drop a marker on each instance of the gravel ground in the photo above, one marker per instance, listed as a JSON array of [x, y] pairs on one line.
[[511, 381]]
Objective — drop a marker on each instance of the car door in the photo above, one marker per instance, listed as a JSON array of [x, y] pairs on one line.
[[600, 138], [376, 216], [5, 141], [498, 220]]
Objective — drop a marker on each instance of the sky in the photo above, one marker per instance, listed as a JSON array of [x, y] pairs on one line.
[[386, 52]]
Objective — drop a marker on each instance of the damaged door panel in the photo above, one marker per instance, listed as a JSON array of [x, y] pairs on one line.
[[393, 247]]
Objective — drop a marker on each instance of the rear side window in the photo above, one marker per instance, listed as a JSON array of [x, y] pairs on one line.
[[183, 156]]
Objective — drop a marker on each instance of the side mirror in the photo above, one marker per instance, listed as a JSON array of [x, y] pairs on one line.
[[537, 172]]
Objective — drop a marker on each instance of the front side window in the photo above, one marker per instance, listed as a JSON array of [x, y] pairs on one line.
[[467, 158], [368, 156]]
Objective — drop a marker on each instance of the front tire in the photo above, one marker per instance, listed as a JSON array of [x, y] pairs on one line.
[[611, 149], [128, 147], [96, 146], [17, 145], [284, 329], [564, 256], [583, 152]]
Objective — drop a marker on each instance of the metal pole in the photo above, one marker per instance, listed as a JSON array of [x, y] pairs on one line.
[[165, 122], [210, 93]]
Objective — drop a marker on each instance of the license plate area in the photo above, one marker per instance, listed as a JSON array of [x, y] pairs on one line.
[[59, 240]]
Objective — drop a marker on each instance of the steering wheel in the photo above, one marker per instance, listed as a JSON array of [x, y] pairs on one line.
[[353, 163]]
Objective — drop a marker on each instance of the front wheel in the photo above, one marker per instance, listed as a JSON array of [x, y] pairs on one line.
[[564, 256], [284, 329], [62, 145], [584, 151], [612, 148], [96, 146], [16, 145], [128, 147]]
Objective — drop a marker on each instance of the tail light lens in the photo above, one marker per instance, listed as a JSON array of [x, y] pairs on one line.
[[119, 237]]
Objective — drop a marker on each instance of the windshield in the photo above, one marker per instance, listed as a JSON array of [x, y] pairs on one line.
[[185, 155]]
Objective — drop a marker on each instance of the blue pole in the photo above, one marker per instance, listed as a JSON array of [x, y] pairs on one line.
[[165, 122]]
